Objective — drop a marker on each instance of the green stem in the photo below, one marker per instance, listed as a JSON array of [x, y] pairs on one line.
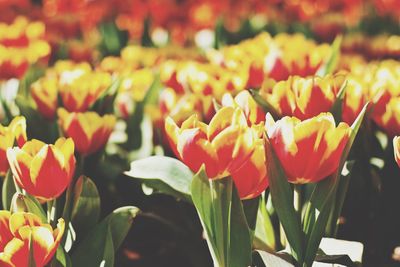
[[51, 211], [298, 198]]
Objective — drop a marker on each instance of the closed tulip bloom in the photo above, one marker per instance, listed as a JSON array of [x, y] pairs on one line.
[[43, 170], [14, 133], [22, 231], [396, 146], [89, 130], [226, 147], [44, 92], [82, 92], [389, 121], [308, 150], [302, 97]]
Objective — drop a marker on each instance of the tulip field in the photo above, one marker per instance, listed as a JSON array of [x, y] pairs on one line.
[[199, 133]]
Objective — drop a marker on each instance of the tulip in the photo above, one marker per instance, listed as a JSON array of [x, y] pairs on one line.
[[45, 92], [22, 231], [226, 147], [389, 121], [308, 150], [302, 97], [245, 101], [83, 92], [14, 133], [89, 130], [43, 170], [396, 146]]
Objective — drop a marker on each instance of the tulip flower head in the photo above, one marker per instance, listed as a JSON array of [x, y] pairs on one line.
[[22, 231], [43, 170], [396, 146], [89, 130], [226, 147], [308, 150], [14, 133], [302, 97]]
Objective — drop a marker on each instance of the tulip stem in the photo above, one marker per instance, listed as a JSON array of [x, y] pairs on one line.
[[297, 198], [51, 211]]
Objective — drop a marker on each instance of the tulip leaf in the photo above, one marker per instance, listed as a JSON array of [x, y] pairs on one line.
[[223, 219], [264, 104], [86, 205], [172, 172], [264, 238], [61, 259], [332, 61], [99, 245], [267, 259], [323, 198], [28, 203], [282, 199], [105, 103], [8, 190], [337, 107]]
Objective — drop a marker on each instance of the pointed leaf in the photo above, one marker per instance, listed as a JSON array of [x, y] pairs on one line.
[[331, 63], [86, 204], [282, 199], [168, 170], [8, 190]]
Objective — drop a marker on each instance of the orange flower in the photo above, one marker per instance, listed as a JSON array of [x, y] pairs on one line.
[[43, 170], [308, 150], [89, 131], [396, 146], [226, 147], [21, 231], [245, 102], [15, 132], [302, 97]]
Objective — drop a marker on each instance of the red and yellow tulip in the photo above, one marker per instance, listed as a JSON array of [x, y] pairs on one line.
[[245, 101], [89, 130], [43, 170], [302, 97], [14, 133], [45, 93], [227, 146], [83, 91], [308, 150], [22, 231]]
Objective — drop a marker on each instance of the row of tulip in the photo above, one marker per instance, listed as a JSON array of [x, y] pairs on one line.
[[250, 123]]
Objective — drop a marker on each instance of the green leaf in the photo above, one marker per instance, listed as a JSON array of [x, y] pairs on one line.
[[264, 104], [323, 198], [282, 199], [337, 107], [169, 171], [28, 203], [223, 219], [105, 103], [120, 221], [250, 207], [268, 259], [264, 238], [86, 204], [100, 244], [331, 63], [61, 259], [8, 190], [134, 122]]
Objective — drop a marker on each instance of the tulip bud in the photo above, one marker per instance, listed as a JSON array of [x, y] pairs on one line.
[[43, 170], [14, 133], [89, 131], [308, 150]]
